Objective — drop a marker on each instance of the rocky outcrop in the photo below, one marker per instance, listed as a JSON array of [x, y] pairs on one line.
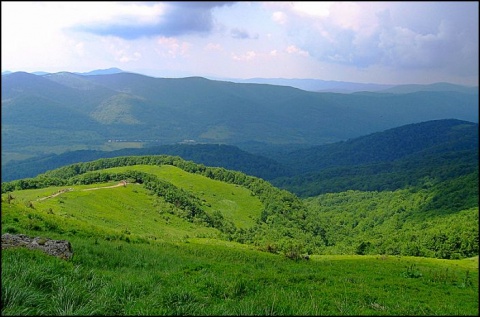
[[59, 248]]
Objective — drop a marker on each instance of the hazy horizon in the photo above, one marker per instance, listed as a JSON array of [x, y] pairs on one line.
[[390, 43]]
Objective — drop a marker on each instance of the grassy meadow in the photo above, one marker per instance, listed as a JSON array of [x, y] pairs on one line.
[[133, 255], [161, 278], [236, 202]]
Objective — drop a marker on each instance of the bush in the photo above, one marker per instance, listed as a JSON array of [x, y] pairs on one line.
[[293, 251]]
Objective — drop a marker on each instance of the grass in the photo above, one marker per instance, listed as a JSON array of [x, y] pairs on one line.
[[132, 256], [131, 213], [109, 213], [234, 202], [159, 278]]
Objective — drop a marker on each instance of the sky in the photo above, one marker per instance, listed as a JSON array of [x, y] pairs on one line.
[[404, 42]]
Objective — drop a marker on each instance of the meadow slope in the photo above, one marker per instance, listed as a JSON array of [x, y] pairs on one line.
[[157, 235]]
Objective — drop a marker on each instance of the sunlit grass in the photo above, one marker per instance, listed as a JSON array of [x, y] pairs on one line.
[[159, 278], [122, 211], [235, 202]]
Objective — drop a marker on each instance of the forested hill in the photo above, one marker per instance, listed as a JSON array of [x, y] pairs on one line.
[[221, 155], [70, 111], [412, 155], [384, 160], [437, 136]]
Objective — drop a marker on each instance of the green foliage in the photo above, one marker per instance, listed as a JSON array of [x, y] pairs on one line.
[[420, 139], [456, 194], [416, 171], [412, 271], [402, 222], [162, 245]]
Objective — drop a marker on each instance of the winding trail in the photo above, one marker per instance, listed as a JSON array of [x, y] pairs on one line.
[[66, 190], [122, 183]]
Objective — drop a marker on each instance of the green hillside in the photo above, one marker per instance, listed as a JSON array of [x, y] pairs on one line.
[[132, 212], [234, 202], [435, 221], [181, 238], [250, 210], [126, 213], [130, 107], [246, 209], [108, 278]]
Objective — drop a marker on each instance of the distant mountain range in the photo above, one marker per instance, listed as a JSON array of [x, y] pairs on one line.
[[314, 84], [310, 84], [352, 87], [66, 111], [406, 89], [107, 71], [387, 160]]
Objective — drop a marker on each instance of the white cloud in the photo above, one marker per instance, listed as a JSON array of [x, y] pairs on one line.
[[279, 17], [292, 49], [368, 33], [125, 57], [244, 57], [172, 47], [79, 48], [120, 50], [213, 47]]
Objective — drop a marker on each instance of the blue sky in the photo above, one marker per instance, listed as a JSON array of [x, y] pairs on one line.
[[368, 42]]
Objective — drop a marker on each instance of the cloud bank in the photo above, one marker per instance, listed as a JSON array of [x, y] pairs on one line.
[[157, 19], [394, 35], [382, 42]]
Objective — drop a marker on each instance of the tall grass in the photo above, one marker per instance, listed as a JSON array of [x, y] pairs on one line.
[[161, 278]]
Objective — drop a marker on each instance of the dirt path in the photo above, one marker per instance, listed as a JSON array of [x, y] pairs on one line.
[[113, 186], [57, 193], [122, 183]]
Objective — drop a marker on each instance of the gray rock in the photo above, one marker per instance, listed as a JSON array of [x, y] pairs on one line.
[[59, 248]]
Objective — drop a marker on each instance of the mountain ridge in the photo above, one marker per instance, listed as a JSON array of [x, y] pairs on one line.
[[89, 111], [444, 142], [307, 84]]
